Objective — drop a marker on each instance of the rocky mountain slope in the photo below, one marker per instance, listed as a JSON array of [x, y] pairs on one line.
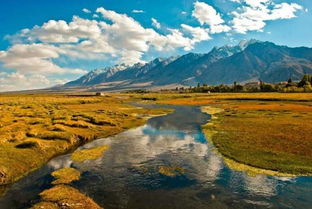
[[248, 61]]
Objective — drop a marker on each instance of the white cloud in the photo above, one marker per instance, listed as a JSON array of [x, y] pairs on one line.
[[35, 51], [199, 34], [242, 25], [219, 28], [18, 81], [34, 58], [126, 34], [206, 14], [62, 32], [155, 23], [257, 3], [138, 11], [94, 39], [86, 10], [285, 11], [175, 40], [253, 15]]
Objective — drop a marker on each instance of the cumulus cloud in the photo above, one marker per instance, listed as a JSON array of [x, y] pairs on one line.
[[206, 14], [85, 10], [18, 81], [126, 34], [199, 34], [155, 23], [34, 58], [253, 15], [34, 51], [62, 32], [91, 39]]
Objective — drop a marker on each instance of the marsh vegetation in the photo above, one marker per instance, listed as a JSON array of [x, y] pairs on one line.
[[35, 128], [256, 133], [264, 130]]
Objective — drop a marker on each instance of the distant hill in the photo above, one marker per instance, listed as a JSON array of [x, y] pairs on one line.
[[248, 61]]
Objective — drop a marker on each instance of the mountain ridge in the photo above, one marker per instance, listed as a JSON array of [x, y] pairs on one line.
[[248, 61]]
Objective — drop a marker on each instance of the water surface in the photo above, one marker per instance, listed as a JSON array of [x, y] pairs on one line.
[[128, 175]]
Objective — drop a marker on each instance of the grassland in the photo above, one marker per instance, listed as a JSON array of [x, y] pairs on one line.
[[35, 128], [266, 131], [268, 135]]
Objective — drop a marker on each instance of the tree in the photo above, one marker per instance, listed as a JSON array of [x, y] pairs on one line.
[[289, 83], [268, 88], [239, 88], [306, 80], [261, 85], [234, 86]]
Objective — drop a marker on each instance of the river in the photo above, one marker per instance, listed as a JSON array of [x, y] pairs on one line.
[[130, 174]]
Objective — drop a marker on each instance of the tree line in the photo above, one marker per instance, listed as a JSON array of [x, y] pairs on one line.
[[304, 85]]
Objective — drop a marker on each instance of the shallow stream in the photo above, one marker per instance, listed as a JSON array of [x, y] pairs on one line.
[[165, 164]]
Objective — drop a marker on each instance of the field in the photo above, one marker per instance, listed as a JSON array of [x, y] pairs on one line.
[[257, 132], [269, 131], [35, 128]]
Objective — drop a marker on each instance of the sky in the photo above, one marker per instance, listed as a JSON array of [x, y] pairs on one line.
[[46, 43]]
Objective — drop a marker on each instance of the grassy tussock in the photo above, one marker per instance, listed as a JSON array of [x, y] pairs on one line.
[[63, 196], [89, 154], [171, 171], [65, 176]]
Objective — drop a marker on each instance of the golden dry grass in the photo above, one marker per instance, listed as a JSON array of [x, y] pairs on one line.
[[268, 136], [89, 154], [35, 128], [65, 176], [171, 171], [63, 196], [262, 130]]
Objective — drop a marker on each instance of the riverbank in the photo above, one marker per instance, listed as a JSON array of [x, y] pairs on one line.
[[268, 135], [259, 133], [36, 128]]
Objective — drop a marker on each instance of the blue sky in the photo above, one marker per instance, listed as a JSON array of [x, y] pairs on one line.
[[55, 47]]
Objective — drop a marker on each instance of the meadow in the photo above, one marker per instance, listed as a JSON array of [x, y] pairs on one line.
[[254, 132], [258, 132], [36, 128]]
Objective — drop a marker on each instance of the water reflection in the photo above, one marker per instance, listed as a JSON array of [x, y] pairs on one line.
[[127, 175], [260, 185]]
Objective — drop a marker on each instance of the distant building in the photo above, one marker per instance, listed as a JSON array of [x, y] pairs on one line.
[[252, 85], [100, 94]]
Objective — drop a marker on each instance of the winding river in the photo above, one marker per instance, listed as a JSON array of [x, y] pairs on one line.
[[130, 174]]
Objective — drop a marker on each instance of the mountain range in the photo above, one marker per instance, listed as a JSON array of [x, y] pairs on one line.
[[249, 61]]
